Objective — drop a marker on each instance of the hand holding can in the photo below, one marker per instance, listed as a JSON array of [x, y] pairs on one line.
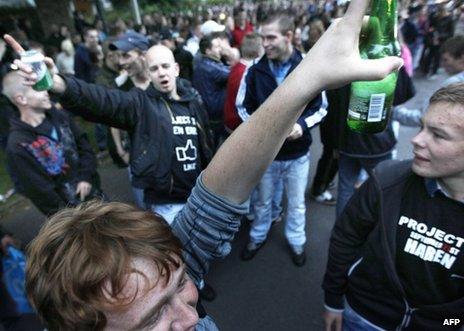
[[35, 60]]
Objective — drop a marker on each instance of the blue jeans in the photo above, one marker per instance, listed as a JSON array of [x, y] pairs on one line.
[[138, 193], [294, 174], [169, 211], [349, 169], [352, 321], [276, 208]]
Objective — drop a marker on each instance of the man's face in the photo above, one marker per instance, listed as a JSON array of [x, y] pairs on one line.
[[215, 50], [38, 100], [91, 38], [157, 305], [112, 58], [162, 70], [451, 64], [240, 19], [439, 146], [132, 62], [276, 45]]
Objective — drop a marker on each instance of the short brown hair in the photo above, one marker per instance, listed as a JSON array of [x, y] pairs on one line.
[[453, 94], [285, 22], [81, 249], [251, 46], [454, 46]]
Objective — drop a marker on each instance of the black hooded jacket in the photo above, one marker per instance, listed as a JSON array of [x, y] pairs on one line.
[[367, 254], [49, 168], [149, 117]]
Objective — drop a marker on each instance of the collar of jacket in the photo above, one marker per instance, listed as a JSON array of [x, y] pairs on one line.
[[184, 88], [17, 125], [294, 60]]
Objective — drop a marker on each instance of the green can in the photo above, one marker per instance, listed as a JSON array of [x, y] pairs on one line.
[[35, 60]]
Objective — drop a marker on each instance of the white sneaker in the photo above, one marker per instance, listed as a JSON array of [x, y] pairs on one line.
[[326, 198]]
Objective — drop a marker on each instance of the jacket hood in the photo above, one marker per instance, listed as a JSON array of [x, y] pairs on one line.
[[184, 88], [17, 125]]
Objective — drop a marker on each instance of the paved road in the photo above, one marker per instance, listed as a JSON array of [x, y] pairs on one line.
[[269, 292]]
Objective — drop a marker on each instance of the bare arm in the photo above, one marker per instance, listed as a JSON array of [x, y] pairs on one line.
[[333, 61]]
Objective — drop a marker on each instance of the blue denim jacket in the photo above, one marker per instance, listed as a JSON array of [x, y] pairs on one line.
[[206, 226]]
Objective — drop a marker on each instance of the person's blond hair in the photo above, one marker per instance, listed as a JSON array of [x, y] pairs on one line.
[[79, 250]]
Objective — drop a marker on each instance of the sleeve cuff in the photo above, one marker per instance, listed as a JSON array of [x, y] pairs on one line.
[[217, 200], [334, 301], [333, 310]]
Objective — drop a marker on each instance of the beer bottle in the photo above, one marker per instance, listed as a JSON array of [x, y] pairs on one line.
[[371, 101]]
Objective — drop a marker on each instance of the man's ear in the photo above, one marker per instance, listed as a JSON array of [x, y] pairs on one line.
[[461, 62], [289, 35], [177, 69], [20, 99]]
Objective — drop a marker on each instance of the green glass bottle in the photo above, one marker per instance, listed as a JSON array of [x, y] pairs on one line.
[[371, 102]]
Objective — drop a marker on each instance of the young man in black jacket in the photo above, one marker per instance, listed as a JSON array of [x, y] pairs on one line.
[[167, 125], [52, 158], [395, 259]]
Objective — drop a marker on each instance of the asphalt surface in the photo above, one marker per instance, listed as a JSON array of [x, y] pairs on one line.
[[268, 292]]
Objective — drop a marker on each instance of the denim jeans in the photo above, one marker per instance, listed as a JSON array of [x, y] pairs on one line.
[[167, 210], [349, 169], [276, 208], [277, 197], [294, 174], [352, 321], [138, 193]]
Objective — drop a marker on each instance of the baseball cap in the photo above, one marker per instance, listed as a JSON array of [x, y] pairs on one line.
[[210, 27], [129, 41]]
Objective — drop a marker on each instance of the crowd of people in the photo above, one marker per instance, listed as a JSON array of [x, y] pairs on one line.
[[209, 116]]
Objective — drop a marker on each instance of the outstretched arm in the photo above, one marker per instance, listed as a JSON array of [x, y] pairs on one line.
[[95, 103], [333, 61]]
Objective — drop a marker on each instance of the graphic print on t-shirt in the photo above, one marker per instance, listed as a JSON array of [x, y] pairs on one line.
[[430, 243], [185, 132]]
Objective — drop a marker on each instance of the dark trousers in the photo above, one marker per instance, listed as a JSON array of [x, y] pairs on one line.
[[100, 136], [327, 168], [431, 60]]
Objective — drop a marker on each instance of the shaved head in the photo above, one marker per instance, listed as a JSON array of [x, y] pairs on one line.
[[162, 69], [13, 85], [22, 96], [160, 50]]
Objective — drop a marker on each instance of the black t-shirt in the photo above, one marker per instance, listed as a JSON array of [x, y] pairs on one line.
[[429, 243], [186, 161]]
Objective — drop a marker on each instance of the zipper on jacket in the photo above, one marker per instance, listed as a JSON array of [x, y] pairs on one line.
[[407, 316], [350, 271]]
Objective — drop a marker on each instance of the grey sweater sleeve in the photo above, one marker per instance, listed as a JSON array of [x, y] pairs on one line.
[[206, 226], [408, 117]]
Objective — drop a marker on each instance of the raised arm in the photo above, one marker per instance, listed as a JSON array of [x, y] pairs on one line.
[[333, 61], [93, 102]]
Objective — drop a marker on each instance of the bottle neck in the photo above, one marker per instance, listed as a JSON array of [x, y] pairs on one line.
[[382, 29]]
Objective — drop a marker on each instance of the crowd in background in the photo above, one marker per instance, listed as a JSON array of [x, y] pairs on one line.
[[219, 52]]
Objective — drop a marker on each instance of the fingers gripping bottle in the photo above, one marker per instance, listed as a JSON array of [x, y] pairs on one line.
[[371, 102], [36, 60]]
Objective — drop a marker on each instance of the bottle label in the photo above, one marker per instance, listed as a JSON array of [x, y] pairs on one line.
[[376, 106]]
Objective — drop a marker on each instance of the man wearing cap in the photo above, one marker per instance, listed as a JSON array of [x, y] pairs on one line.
[[183, 57], [130, 57]]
